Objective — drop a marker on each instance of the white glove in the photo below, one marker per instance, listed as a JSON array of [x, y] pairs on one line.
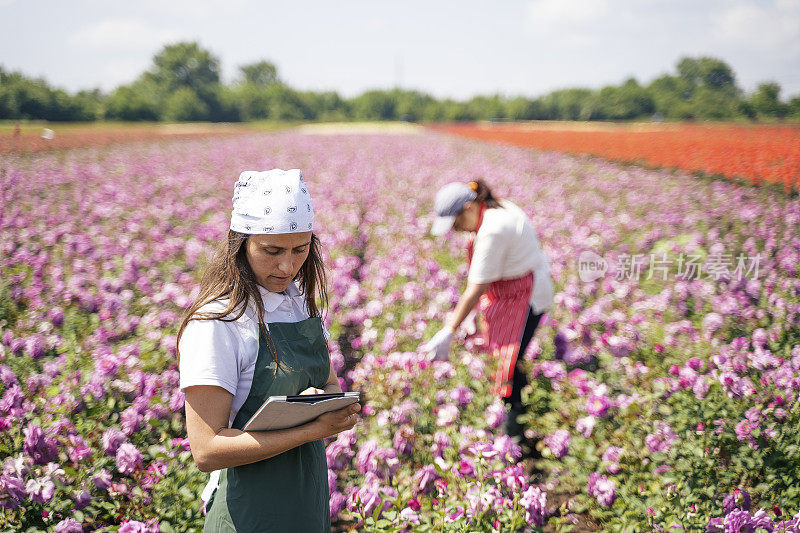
[[439, 345]]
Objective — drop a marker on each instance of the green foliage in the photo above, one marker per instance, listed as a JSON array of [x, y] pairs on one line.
[[275, 101], [260, 74], [707, 72], [412, 105], [710, 104], [326, 106], [793, 108], [625, 102], [766, 101], [184, 104], [183, 83], [569, 104], [374, 105], [491, 107], [185, 65], [8, 308], [135, 102], [520, 108], [671, 96], [25, 98]]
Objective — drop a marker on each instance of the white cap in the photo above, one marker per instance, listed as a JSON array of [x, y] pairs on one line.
[[274, 201], [449, 202]]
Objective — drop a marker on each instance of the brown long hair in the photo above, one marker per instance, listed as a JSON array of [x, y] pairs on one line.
[[484, 194], [228, 275]]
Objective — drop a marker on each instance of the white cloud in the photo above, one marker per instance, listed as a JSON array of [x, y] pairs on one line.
[[376, 25], [124, 33], [772, 28], [197, 8], [560, 15], [120, 72]]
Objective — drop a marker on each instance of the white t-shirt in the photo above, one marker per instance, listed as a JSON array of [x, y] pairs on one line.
[[214, 352], [505, 247]]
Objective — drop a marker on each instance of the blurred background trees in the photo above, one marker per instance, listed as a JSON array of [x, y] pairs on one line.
[[183, 84]]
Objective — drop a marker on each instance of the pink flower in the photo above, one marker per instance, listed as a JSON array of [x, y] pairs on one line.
[[133, 526], [68, 525], [117, 489], [410, 515], [598, 405], [455, 515], [602, 488], [745, 428], [181, 443], [337, 503], [41, 448], [507, 448], [40, 489], [585, 425], [611, 457], [441, 486], [534, 501], [495, 415], [129, 458], [512, 476], [662, 439], [462, 395], [712, 322], [77, 449], [424, 478], [466, 468], [440, 443], [446, 415], [558, 442]]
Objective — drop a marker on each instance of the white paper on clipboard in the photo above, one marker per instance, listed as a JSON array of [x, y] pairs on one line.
[[279, 413]]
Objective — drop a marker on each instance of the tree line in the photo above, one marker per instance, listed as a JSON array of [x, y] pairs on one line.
[[183, 84]]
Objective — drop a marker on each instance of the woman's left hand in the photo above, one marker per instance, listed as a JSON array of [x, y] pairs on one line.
[[312, 390]]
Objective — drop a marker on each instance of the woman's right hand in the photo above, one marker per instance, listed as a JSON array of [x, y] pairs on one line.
[[334, 422], [438, 348]]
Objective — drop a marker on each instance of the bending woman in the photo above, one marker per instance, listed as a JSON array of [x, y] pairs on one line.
[[508, 273], [255, 331]]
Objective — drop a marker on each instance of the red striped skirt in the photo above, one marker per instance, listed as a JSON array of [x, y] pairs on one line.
[[505, 307]]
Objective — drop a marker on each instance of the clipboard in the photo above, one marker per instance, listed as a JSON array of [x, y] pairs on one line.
[[282, 412]]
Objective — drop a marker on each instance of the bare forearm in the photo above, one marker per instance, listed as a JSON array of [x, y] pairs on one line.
[[332, 385], [470, 297], [232, 447]]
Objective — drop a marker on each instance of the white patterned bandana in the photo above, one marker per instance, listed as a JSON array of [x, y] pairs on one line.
[[275, 201]]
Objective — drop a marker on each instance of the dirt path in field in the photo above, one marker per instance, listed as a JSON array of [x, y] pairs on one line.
[[33, 138], [367, 128], [46, 137]]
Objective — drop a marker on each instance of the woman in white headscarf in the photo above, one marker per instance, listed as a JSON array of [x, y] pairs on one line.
[[509, 275], [254, 332]]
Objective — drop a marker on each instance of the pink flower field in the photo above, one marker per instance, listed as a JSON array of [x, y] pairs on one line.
[[664, 381]]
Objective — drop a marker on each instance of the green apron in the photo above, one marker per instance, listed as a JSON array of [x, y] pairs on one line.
[[287, 492]]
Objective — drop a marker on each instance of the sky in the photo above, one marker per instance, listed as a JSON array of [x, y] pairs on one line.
[[450, 49]]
